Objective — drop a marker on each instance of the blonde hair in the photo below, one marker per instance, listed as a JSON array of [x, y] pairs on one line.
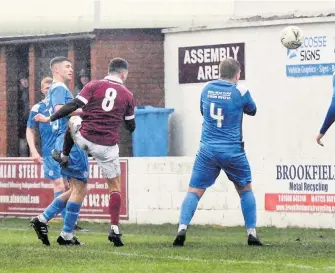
[[46, 80]]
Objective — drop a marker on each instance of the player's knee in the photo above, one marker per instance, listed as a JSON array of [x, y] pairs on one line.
[[197, 191], [79, 190], [66, 186], [59, 185], [114, 184], [242, 188], [72, 120]]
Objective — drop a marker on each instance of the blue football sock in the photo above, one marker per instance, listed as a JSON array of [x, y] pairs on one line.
[[72, 213], [63, 212], [188, 208], [248, 205], [54, 209]]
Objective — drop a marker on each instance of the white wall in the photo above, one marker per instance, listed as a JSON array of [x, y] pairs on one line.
[[157, 187], [290, 110], [290, 114]]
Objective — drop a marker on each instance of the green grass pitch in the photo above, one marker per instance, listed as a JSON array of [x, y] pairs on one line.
[[148, 248]]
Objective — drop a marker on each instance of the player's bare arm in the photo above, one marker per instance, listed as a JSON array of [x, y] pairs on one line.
[[329, 120], [30, 134], [318, 139]]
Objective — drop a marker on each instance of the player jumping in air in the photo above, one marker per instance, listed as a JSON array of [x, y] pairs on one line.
[[222, 105], [106, 104]]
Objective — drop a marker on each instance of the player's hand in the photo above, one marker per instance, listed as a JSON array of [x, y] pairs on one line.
[[37, 158], [318, 139], [42, 118]]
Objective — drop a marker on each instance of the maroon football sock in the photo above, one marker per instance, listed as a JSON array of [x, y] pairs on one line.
[[114, 207]]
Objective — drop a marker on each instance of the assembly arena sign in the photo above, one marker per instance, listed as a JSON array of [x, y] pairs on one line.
[[201, 63]]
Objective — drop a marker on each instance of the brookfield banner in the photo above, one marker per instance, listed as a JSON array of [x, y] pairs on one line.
[[302, 188]]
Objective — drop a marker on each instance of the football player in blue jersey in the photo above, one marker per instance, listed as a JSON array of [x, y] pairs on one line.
[[77, 170], [222, 105], [51, 168], [330, 117]]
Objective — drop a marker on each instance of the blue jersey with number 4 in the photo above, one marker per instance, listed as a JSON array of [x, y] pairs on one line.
[[222, 106]]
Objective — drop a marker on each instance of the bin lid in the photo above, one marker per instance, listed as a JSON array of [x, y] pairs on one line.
[[147, 109]]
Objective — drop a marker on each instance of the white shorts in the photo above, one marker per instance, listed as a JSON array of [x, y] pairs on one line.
[[107, 157]]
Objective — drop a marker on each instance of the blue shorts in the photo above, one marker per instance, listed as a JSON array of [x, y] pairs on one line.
[[208, 164], [51, 168], [78, 162]]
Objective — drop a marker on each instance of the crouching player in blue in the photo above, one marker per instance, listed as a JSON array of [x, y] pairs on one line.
[[222, 105], [76, 172], [330, 117]]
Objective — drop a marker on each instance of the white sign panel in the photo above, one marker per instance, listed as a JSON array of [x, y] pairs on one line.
[[316, 57], [303, 189]]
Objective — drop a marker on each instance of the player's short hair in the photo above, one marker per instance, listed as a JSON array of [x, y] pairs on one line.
[[57, 60], [46, 80], [117, 65], [229, 68]]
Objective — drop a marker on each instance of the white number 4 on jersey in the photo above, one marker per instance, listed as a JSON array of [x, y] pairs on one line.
[[219, 117]]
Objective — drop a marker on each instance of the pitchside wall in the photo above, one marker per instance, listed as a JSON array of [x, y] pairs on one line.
[[157, 187]]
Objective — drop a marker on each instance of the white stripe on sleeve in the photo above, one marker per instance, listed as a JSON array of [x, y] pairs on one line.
[[85, 101], [129, 117]]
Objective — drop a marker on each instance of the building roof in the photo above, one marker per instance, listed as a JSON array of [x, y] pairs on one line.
[[96, 33], [258, 21]]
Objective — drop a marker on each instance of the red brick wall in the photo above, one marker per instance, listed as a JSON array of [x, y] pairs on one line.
[[13, 59], [33, 86], [144, 51]]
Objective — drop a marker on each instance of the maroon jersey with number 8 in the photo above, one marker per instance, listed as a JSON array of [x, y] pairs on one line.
[[107, 104]]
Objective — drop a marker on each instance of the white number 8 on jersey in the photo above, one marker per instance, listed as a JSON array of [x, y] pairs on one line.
[[108, 102], [219, 117]]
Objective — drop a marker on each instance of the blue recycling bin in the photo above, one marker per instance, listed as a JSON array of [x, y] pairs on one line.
[[150, 137]]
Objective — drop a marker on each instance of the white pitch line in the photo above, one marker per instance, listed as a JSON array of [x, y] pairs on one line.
[[188, 259]]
